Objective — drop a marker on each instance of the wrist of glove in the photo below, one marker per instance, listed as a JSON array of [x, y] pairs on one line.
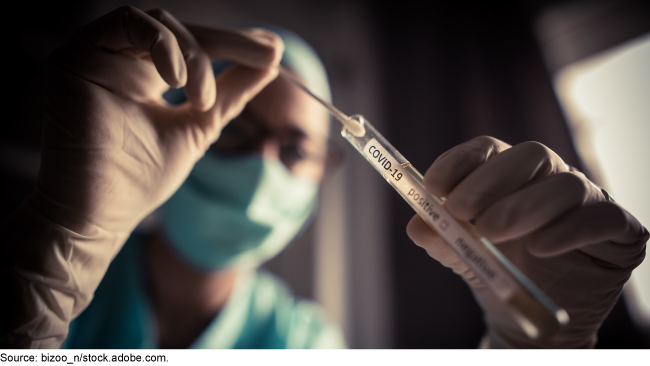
[[49, 275], [113, 151]]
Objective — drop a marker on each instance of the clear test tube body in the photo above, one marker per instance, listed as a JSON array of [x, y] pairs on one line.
[[538, 316]]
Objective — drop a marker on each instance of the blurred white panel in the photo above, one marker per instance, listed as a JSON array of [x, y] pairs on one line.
[[607, 101]]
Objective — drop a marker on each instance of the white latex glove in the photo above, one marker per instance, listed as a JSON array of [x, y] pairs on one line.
[[113, 151], [549, 220]]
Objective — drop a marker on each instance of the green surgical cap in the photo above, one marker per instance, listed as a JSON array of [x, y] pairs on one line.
[[300, 57]]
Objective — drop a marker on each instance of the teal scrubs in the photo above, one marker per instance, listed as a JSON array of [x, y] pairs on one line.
[[260, 313]]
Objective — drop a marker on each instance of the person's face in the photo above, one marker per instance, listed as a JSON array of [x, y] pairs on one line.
[[284, 123]]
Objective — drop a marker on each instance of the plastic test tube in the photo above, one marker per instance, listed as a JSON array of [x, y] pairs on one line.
[[538, 316]]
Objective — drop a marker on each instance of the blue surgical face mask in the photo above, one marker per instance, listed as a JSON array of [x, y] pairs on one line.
[[236, 211]]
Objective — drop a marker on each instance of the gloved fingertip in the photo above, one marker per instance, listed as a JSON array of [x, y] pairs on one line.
[[411, 227], [180, 71], [210, 95], [204, 98], [202, 105], [646, 236], [419, 232]]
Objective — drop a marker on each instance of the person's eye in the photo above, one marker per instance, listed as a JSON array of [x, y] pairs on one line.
[[292, 154], [235, 136]]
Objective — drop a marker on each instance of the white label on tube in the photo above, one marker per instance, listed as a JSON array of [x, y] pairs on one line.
[[474, 253]]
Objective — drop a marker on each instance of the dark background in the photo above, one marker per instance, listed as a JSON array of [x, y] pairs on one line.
[[449, 73]]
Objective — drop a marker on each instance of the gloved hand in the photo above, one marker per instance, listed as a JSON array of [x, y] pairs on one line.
[[113, 151], [555, 225]]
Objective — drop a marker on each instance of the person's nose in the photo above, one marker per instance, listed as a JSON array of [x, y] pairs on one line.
[[270, 149]]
